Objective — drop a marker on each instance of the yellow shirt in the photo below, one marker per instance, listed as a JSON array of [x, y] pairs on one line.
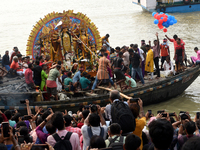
[[140, 123]]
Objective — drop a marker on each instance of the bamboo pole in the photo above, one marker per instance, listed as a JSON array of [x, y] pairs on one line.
[[121, 94]]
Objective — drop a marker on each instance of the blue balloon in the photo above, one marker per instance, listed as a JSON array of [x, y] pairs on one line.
[[170, 17], [173, 18], [168, 21], [161, 13], [166, 26], [156, 21], [175, 21], [171, 22], [153, 14], [167, 14], [161, 18]]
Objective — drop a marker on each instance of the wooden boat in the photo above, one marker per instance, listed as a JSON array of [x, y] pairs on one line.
[[154, 91]]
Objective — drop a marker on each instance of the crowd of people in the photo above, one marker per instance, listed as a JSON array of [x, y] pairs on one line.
[[124, 67], [120, 125]]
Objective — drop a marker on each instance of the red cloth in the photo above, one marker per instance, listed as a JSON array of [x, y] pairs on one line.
[[80, 124], [51, 84], [14, 65], [164, 50], [127, 75], [175, 43], [74, 130], [40, 64], [4, 118], [28, 76]]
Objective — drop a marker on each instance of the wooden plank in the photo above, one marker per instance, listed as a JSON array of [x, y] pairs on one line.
[[123, 95]]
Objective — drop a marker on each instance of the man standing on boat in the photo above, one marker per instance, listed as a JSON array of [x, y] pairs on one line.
[[156, 51], [164, 51], [175, 37]]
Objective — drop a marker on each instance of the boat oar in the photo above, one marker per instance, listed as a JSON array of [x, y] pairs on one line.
[[108, 89]]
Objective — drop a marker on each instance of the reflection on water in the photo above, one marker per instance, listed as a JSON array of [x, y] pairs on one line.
[[125, 22]]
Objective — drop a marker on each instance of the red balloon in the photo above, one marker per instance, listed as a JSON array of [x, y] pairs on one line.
[[160, 21], [165, 30], [164, 19], [165, 16], [158, 17], [155, 16], [160, 26]]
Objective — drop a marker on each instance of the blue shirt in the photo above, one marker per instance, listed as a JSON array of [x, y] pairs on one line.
[[77, 77]]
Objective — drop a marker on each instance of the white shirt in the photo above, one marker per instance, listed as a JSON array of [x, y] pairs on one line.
[[169, 66], [95, 131], [141, 54], [126, 58]]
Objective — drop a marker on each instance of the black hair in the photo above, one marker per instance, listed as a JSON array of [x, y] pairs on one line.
[[192, 144], [97, 142], [161, 133], [107, 35], [30, 65], [21, 124], [94, 120], [16, 117], [112, 50], [132, 142], [69, 74], [117, 48], [27, 57], [40, 58], [142, 40], [115, 129], [24, 132], [172, 120], [198, 123], [102, 50], [50, 128], [114, 95], [19, 55], [37, 62], [84, 74], [190, 127], [38, 121], [135, 109], [131, 45], [105, 54], [8, 114], [45, 114], [57, 120], [68, 120], [120, 53], [85, 113], [175, 36], [130, 50], [135, 46], [59, 62], [196, 48], [147, 45], [3, 147], [43, 65], [58, 67]]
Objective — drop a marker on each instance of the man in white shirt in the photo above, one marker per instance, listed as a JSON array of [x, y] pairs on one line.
[[94, 120], [142, 55], [126, 56]]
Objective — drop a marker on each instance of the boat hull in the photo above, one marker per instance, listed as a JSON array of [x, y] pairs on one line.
[[156, 92], [173, 8]]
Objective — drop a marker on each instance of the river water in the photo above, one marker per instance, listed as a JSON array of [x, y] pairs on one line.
[[125, 22]]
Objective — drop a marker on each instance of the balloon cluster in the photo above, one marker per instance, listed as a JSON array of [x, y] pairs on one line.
[[163, 20]]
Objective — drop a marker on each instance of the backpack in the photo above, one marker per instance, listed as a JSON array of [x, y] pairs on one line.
[[121, 114], [91, 134], [62, 143], [116, 145]]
